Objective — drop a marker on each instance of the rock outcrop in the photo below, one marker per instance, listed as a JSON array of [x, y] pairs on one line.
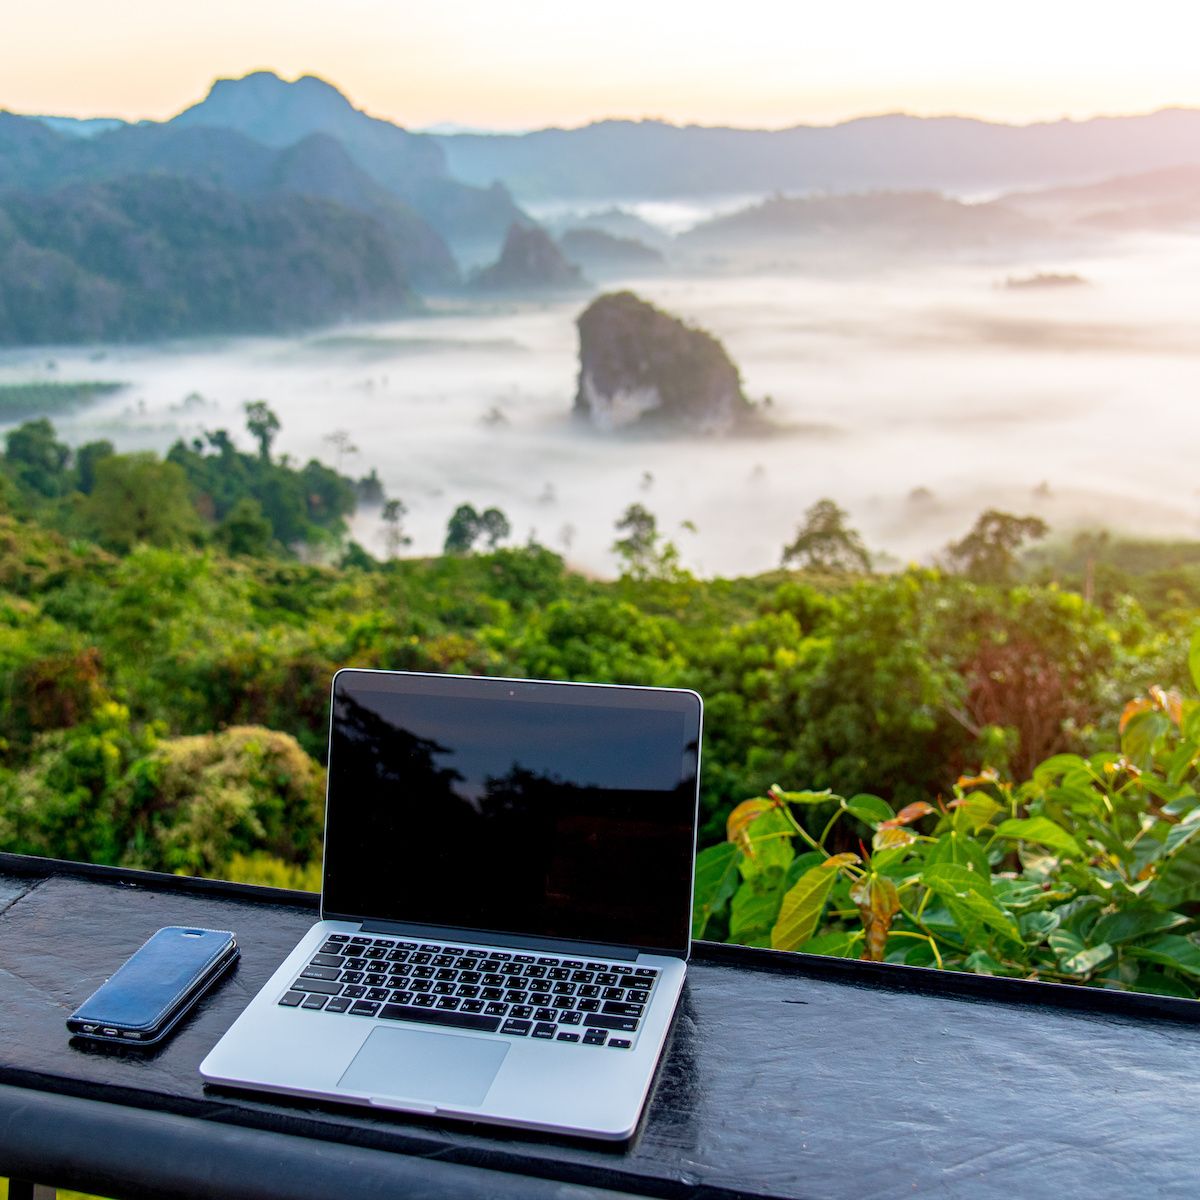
[[640, 366], [529, 262]]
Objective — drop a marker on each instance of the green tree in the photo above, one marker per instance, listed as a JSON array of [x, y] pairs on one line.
[[462, 530], [394, 537], [245, 529], [86, 458], [263, 425], [494, 527], [37, 460], [988, 552], [643, 552], [826, 543], [138, 498]]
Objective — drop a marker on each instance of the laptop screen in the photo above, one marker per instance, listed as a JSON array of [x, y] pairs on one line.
[[544, 810]]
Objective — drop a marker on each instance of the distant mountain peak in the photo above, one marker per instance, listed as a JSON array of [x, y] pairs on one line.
[[273, 110]]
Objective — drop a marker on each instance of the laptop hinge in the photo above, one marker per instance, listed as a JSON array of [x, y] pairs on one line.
[[484, 938]]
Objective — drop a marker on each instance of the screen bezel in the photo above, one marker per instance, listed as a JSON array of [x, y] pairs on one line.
[[681, 701]]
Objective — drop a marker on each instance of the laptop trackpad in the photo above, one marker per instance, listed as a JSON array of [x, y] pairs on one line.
[[411, 1064]]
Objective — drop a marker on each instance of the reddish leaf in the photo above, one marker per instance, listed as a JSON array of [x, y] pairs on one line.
[[878, 903], [908, 814]]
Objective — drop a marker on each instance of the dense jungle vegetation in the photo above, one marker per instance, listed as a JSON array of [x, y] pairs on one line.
[[936, 766]]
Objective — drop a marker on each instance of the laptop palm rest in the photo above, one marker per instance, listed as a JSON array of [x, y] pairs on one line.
[[412, 1064]]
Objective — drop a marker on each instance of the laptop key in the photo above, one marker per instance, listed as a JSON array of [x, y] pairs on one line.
[[515, 1026], [524, 958], [582, 976], [320, 986], [496, 1009], [613, 993], [619, 1043], [319, 973], [522, 1011], [606, 979], [374, 980], [539, 999], [594, 1037], [351, 977], [354, 991], [326, 960], [637, 997], [448, 1003], [630, 981], [588, 1006], [468, 991], [443, 989], [616, 1008], [568, 1037], [378, 994], [597, 966], [564, 1002], [472, 1006], [401, 997], [338, 1004], [647, 972], [491, 993], [570, 1018], [291, 999], [543, 1031], [573, 963], [544, 1014], [315, 1002], [338, 937], [588, 990], [424, 1000], [603, 1021], [363, 1008]]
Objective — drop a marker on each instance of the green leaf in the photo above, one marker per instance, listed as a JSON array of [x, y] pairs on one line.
[[968, 899], [716, 881], [1036, 925], [820, 797], [1041, 830], [800, 864], [973, 813], [1141, 734], [950, 879], [801, 909], [839, 944], [961, 849], [1194, 659], [1087, 961], [1058, 764], [767, 842], [1182, 804], [868, 809], [1183, 832], [1134, 922], [1171, 950], [982, 963], [1016, 893], [752, 914], [1158, 983]]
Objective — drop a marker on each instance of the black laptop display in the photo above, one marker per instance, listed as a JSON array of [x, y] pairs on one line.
[[534, 809]]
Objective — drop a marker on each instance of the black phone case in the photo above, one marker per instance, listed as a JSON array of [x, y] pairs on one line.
[[153, 989]]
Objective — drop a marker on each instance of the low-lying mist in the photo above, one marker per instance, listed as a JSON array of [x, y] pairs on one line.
[[914, 395]]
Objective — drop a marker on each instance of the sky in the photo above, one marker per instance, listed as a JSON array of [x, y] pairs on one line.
[[534, 63]]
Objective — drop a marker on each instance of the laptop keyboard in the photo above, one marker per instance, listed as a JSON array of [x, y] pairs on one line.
[[553, 998]]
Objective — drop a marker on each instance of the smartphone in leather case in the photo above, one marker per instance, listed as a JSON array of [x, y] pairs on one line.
[[152, 990]]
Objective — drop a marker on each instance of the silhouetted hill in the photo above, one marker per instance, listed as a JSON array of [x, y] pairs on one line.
[[529, 262], [599, 252], [614, 160], [156, 256], [899, 221], [412, 166], [1164, 200], [640, 366], [33, 157]]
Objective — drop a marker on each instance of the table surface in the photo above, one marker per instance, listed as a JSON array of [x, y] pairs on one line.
[[784, 1075]]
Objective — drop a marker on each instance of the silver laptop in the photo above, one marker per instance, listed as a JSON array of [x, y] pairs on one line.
[[505, 905]]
